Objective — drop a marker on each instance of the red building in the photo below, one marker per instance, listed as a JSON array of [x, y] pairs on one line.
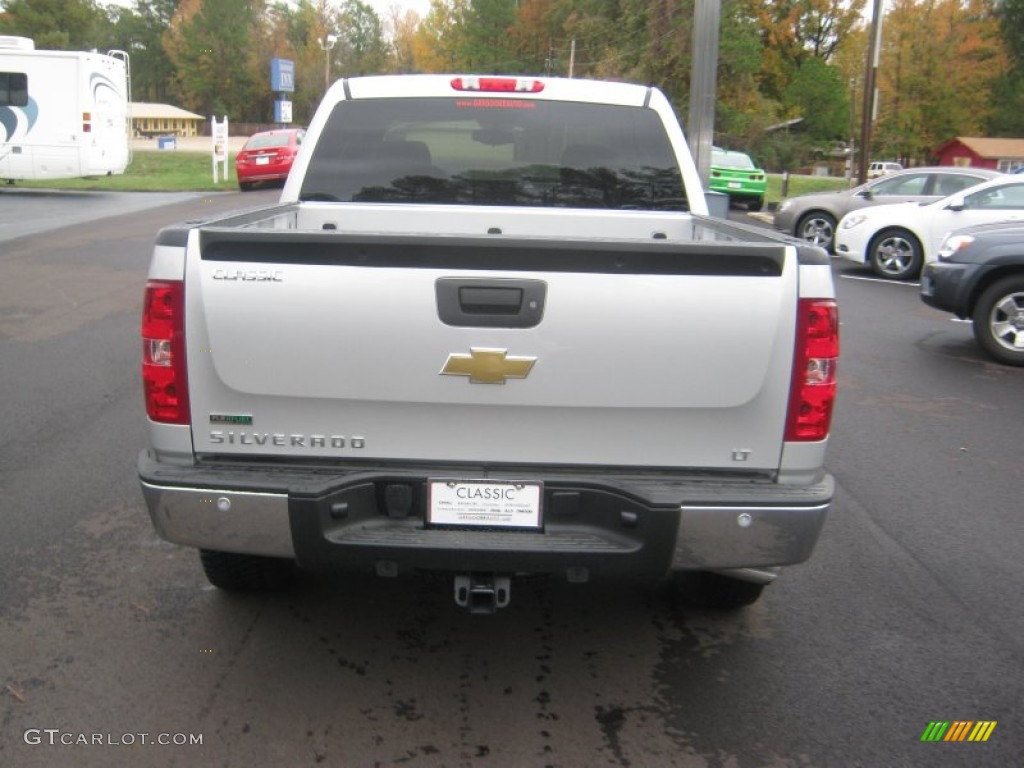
[[998, 154]]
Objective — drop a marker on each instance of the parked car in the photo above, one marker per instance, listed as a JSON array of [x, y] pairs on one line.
[[979, 275], [834, 149], [735, 174], [267, 156], [813, 217], [897, 240], [877, 169]]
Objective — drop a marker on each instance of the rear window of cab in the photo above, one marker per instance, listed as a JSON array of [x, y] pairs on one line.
[[495, 151]]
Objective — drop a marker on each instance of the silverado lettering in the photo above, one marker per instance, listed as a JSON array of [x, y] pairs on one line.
[[218, 437]]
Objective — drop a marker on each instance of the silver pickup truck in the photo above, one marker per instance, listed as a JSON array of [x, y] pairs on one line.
[[490, 330]]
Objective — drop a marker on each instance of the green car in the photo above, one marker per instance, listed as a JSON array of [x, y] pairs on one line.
[[735, 174]]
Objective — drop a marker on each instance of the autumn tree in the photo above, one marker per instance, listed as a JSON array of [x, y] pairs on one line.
[[402, 25], [537, 43], [298, 29], [794, 31], [594, 26], [438, 43], [940, 59], [268, 36]]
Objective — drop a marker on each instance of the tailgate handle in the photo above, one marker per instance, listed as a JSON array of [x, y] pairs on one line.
[[490, 303]]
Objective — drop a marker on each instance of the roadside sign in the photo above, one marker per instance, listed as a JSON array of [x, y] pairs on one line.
[[219, 137], [282, 111], [282, 76]]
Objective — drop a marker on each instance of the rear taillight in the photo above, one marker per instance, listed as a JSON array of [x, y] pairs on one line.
[[813, 389], [163, 352]]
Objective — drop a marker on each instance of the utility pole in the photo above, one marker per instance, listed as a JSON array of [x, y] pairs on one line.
[[870, 91], [852, 146], [700, 126]]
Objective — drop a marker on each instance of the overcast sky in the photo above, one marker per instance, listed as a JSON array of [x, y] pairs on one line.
[[383, 7]]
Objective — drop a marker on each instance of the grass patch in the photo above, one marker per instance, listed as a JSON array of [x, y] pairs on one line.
[[802, 185], [154, 171]]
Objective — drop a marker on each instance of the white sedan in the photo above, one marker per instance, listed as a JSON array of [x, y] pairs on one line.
[[897, 240]]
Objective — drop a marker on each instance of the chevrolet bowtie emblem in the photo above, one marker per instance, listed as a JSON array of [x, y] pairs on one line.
[[488, 366]]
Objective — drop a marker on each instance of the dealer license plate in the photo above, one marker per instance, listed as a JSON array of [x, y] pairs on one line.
[[484, 503]]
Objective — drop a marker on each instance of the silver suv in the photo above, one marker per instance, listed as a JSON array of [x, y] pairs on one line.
[[813, 217]]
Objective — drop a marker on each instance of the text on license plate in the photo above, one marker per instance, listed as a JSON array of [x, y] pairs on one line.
[[484, 503]]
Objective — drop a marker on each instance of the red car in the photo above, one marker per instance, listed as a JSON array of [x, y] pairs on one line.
[[267, 156]]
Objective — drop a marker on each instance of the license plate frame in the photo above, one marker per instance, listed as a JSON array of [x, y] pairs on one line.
[[735, 185], [263, 160], [503, 504]]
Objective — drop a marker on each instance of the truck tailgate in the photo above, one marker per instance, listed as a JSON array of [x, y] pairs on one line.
[[489, 349]]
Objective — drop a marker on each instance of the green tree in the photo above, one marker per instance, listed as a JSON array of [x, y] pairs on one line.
[[140, 31], [485, 42], [362, 49], [743, 110], [210, 44], [817, 93], [1011, 26], [1007, 116], [62, 25]]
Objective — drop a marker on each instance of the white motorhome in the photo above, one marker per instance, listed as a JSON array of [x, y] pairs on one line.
[[63, 114]]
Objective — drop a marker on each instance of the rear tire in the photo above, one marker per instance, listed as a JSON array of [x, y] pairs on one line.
[[817, 228], [246, 573], [756, 205], [896, 254], [712, 591], [245, 186], [999, 320]]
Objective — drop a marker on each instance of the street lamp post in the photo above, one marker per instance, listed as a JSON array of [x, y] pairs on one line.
[[326, 45]]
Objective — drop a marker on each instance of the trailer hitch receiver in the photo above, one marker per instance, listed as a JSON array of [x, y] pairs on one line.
[[482, 594]]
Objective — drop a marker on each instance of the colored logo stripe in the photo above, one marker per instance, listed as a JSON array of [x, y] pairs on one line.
[[982, 731], [958, 730]]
